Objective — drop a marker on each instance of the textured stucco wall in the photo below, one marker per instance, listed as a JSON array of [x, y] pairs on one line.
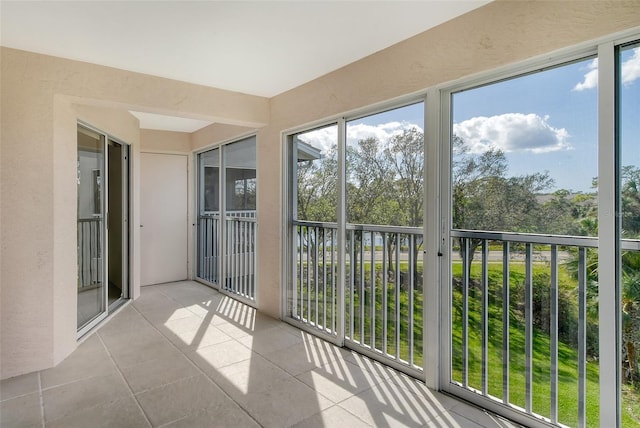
[[152, 140], [42, 97], [37, 269], [493, 36]]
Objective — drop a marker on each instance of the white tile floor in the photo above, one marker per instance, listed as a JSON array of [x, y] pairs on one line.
[[183, 355]]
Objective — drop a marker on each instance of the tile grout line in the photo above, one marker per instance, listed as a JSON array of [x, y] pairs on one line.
[[135, 399], [201, 373], [41, 395]]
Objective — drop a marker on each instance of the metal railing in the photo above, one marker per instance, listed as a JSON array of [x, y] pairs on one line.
[[89, 252], [383, 287], [522, 332], [314, 298], [238, 254]]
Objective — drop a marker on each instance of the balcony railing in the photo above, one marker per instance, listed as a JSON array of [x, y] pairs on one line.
[[89, 252], [524, 322], [238, 254], [383, 288]]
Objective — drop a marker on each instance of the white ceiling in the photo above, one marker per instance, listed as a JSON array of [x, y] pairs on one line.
[[256, 47]]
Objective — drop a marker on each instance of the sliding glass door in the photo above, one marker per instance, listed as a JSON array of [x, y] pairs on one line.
[[227, 218], [355, 234], [102, 180], [91, 260]]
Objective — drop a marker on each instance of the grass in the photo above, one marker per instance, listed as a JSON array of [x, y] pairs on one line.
[[362, 300]]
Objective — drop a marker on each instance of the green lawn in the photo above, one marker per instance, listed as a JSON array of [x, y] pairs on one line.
[[567, 355]]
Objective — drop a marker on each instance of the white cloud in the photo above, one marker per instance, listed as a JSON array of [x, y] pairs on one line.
[[631, 68], [382, 132], [325, 138], [590, 80], [512, 132], [630, 72]]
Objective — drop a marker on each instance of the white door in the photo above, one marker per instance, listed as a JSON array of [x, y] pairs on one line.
[[164, 221]]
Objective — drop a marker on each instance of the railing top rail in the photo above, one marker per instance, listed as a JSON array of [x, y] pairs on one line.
[[385, 229], [86, 220], [315, 224], [532, 238], [228, 218], [364, 227], [233, 213], [242, 219]]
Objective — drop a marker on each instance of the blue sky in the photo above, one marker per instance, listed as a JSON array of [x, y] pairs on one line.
[[544, 121]]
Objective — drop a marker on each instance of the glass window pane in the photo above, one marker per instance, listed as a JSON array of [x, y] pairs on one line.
[[240, 170], [384, 174], [210, 180], [524, 159], [316, 166], [385, 167], [524, 155], [90, 175], [628, 132]]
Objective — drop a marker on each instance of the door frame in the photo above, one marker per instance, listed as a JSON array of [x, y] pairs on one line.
[[191, 224], [127, 250]]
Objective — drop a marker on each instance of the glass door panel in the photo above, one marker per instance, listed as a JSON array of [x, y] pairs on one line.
[[313, 288], [227, 217], [629, 199], [523, 249], [384, 209], [91, 261], [118, 222], [209, 215], [240, 191]]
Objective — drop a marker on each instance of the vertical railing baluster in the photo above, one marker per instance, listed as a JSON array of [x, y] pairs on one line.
[[202, 232], [309, 266], [351, 284], [210, 262], [240, 251], [301, 271], [254, 227], [373, 290], [385, 295], [296, 278], [91, 240], [506, 283], [324, 278], [528, 327], [582, 336], [553, 331], [234, 259], [247, 258], [363, 299], [334, 301], [315, 271], [412, 267], [208, 253], [466, 267], [397, 290], [206, 250], [485, 316]]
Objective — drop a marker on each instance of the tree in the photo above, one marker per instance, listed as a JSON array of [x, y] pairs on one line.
[[385, 183], [483, 198], [317, 188]]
